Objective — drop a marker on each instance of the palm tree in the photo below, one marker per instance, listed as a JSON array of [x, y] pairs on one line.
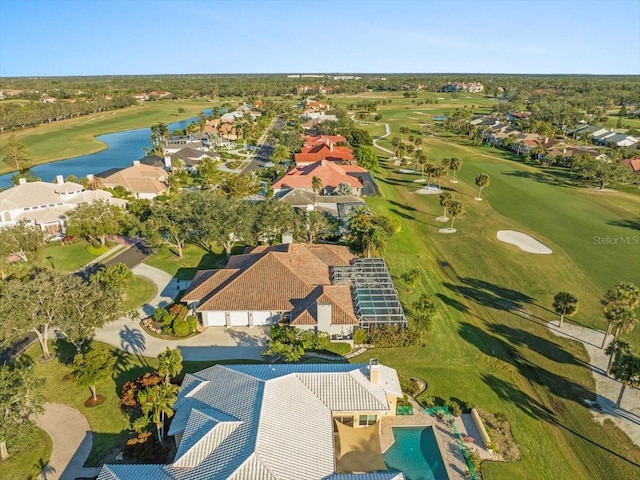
[[622, 320], [482, 181], [363, 233], [564, 304], [316, 184], [455, 209], [440, 173], [170, 364], [157, 403], [623, 296], [455, 165], [626, 369], [445, 200]]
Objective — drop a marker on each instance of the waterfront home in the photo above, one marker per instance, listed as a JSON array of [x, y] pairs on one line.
[[142, 181]]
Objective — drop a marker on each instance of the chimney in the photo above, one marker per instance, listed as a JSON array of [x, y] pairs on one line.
[[136, 163], [287, 238], [324, 317], [323, 162], [331, 146], [59, 179], [374, 371], [22, 181]]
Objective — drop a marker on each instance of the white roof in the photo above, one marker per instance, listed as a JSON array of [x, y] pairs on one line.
[[266, 421], [68, 187], [30, 194]]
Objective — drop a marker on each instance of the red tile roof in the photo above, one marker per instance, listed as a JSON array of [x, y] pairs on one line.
[[330, 173], [324, 151], [338, 296], [311, 140], [633, 163], [270, 278]]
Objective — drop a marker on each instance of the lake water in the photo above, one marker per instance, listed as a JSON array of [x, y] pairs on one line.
[[122, 149]]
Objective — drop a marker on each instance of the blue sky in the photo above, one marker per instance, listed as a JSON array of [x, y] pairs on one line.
[[107, 37]]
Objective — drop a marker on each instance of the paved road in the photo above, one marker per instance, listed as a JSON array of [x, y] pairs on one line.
[[132, 256], [263, 156], [72, 441]]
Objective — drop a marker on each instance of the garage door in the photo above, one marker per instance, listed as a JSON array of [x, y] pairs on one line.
[[213, 319], [262, 318], [239, 319]]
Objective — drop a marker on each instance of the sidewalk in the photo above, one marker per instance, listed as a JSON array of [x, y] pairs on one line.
[[627, 417]]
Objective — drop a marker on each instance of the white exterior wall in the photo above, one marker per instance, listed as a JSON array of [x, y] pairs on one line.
[[214, 319]]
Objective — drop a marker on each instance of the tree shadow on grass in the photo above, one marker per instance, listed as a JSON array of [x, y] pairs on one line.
[[632, 224], [402, 214], [402, 206], [489, 294], [514, 354], [535, 409], [539, 177]]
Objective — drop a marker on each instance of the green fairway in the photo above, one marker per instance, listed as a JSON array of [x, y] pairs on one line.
[[491, 345], [74, 137]]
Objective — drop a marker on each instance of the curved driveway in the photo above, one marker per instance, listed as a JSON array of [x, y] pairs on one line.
[[72, 441], [211, 344]]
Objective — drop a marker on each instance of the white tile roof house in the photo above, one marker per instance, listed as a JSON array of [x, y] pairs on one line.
[[268, 422]]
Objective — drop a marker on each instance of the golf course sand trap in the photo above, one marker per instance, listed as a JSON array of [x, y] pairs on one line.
[[524, 242], [430, 190]]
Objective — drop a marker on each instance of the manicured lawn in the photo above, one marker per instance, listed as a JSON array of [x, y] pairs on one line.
[[28, 463], [74, 137], [66, 258], [109, 425], [194, 258], [490, 345], [140, 291]]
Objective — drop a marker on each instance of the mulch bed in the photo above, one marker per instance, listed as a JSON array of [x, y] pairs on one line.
[[90, 402]]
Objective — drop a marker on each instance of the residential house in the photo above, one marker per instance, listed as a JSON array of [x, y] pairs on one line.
[[313, 140], [583, 130], [633, 164], [311, 119], [46, 205], [142, 181], [330, 174], [47, 99], [338, 206], [141, 97], [471, 87], [189, 158], [277, 421], [319, 287], [324, 150]]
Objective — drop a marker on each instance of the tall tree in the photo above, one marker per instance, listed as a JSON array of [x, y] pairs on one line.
[[445, 200], [97, 220], [455, 209], [316, 185], [17, 155], [626, 369], [455, 166], [565, 303], [93, 366], [365, 232], [20, 401], [482, 181], [280, 153], [157, 403], [601, 171], [171, 222], [622, 298], [169, 364], [367, 157], [35, 305], [21, 240], [311, 225]]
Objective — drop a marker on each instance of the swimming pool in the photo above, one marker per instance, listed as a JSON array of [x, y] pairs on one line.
[[415, 453]]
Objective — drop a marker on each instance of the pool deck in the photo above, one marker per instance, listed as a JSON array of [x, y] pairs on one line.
[[453, 460]]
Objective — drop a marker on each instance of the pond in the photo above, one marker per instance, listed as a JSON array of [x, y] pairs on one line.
[[122, 149]]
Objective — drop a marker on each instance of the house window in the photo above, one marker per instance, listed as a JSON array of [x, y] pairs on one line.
[[344, 419], [366, 420]]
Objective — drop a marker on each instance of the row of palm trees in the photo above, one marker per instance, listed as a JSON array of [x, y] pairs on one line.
[[619, 304]]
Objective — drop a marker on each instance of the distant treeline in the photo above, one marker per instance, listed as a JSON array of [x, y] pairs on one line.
[[20, 115], [581, 92]]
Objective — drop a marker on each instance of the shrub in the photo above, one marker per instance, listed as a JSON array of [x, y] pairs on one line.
[[193, 323], [410, 386], [454, 408], [181, 328], [359, 336], [128, 397], [429, 401], [386, 336], [97, 250], [234, 164], [161, 315], [404, 401]]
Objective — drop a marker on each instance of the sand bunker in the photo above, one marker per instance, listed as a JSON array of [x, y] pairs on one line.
[[524, 242], [429, 190]]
